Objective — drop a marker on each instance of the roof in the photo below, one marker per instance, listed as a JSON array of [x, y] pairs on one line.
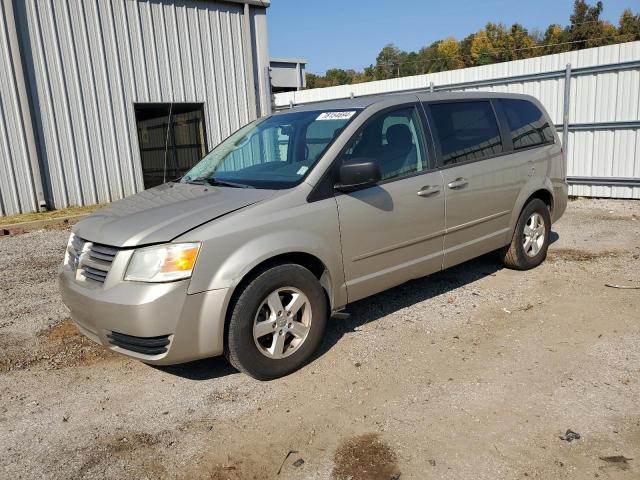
[[288, 60], [391, 98], [257, 3]]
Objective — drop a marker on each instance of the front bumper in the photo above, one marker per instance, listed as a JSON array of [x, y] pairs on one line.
[[193, 324]]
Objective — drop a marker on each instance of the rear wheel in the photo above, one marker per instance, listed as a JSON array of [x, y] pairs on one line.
[[528, 248], [277, 322]]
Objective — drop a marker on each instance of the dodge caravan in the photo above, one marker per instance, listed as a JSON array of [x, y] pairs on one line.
[[301, 212]]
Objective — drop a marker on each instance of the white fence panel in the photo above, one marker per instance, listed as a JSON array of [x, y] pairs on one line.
[[604, 107]]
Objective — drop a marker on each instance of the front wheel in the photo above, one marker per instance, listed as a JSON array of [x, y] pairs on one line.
[[277, 322], [528, 248]]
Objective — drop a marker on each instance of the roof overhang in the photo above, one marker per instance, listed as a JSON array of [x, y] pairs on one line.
[[257, 3], [302, 61]]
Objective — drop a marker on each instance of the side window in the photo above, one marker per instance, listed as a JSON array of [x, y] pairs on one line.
[[527, 124], [466, 131], [394, 140]]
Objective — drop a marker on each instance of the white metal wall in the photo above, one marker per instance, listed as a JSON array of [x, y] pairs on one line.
[[88, 61], [609, 97]]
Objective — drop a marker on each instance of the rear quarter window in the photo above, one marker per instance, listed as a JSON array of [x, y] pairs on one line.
[[526, 123], [466, 131]]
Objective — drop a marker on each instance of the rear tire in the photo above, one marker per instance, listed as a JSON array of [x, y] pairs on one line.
[[528, 247], [277, 322]]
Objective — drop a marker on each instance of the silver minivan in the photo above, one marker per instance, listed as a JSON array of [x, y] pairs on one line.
[[300, 213]]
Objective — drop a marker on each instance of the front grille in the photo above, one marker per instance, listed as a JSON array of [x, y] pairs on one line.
[[102, 252], [95, 274], [144, 345], [95, 261]]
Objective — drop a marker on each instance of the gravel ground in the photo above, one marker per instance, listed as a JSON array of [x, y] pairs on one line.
[[475, 372]]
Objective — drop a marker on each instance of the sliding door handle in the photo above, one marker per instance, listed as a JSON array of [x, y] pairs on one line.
[[428, 190], [458, 183]]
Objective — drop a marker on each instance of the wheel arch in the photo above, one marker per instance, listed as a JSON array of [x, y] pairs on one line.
[[542, 194], [542, 191], [307, 260]]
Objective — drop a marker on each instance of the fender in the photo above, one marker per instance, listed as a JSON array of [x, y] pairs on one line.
[[533, 185], [261, 249]]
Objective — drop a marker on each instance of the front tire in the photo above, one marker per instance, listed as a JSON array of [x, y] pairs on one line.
[[277, 322], [528, 247]]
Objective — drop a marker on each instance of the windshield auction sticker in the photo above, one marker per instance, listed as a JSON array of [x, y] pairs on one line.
[[336, 115]]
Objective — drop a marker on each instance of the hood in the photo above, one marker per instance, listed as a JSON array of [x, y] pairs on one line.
[[163, 213]]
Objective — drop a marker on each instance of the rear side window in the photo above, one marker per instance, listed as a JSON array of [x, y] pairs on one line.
[[466, 131], [527, 124]]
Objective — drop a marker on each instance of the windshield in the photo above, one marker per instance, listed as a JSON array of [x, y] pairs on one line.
[[271, 152]]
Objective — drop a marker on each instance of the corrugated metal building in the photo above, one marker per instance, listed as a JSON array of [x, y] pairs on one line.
[[597, 111], [288, 74], [94, 92]]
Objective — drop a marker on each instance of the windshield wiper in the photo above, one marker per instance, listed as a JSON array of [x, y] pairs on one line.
[[217, 182]]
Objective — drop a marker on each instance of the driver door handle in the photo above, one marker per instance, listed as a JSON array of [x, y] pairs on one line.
[[458, 183], [428, 190]]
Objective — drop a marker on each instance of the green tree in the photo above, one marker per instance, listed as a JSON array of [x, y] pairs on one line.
[[520, 43], [629, 28], [465, 50], [482, 50], [388, 63], [494, 43], [553, 40], [446, 56], [586, 29], [337, 76]]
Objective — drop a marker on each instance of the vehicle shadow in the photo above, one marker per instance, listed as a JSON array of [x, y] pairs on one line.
[[385, 303], [377, 306], [366, 311], [206, 369]]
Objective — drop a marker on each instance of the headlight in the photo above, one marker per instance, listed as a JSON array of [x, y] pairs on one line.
[[163, 263], [70, 251]]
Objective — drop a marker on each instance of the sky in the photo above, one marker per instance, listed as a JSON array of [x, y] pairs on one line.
[[350, 33]]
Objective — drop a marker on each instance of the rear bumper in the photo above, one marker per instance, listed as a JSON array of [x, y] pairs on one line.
[[129, 317], [560, 198]]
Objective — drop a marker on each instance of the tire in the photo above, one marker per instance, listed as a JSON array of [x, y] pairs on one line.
[[515, 255], [291, 342]]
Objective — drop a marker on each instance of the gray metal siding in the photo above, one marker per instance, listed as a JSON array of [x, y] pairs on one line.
[[16, 186], [88, 62]]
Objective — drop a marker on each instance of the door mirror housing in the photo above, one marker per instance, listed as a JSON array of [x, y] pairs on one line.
[[357, 173]]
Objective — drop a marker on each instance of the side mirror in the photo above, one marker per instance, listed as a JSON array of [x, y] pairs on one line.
[[357, 173]]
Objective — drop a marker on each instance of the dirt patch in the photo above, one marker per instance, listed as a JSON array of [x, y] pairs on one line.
[[129, 442], [365, 457], [233, 470], [57, 347], [138, 450], [233, 467], [51, 215], [619, 462], [64, 330], [614, 217], [576, 255]]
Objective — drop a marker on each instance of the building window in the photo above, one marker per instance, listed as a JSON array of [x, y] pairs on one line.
[[172, 139]]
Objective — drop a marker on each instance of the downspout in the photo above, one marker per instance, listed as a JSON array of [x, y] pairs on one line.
[[25, 109], [248, 49]]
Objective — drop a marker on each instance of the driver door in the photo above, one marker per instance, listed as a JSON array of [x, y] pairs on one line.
[[393, 231]]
